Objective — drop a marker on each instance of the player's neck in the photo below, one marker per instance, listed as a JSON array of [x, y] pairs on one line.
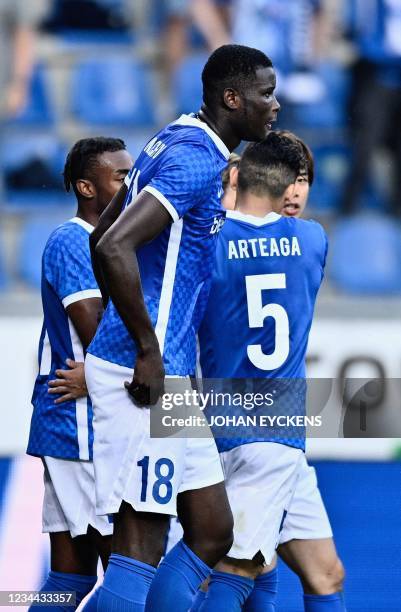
[[251, 204], [220, 126], [88, 215]]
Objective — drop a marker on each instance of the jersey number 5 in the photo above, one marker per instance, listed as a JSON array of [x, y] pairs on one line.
[[257, 313]]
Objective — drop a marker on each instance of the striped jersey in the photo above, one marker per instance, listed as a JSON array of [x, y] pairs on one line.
[[181, 167], [63, 430]]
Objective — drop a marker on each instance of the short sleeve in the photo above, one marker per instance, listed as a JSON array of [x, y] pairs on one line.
[[67, 267], [184, 179]]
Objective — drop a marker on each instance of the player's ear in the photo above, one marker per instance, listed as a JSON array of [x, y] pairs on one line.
[[232, 98], [233, 178], [86, 188]]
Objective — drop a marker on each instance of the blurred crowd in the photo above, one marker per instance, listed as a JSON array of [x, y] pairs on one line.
[[71, 68]]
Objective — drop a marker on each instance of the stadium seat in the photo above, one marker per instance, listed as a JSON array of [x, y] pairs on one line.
[[115, 90], [32, 163], [187, 84], [365, 255], [34, 235], [39, 109]]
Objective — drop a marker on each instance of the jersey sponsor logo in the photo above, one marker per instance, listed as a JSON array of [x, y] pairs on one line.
[[154, 148], [263, 247], [218, 223]]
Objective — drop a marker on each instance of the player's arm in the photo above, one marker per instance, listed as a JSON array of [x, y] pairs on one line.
[[107, 218], [85, 316], [140, 223], [70, 384]]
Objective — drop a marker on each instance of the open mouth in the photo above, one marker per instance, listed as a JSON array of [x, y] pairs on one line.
[[291, 210], [269, 124]]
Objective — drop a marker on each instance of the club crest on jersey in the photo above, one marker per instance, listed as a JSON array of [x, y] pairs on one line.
[[217, 225]]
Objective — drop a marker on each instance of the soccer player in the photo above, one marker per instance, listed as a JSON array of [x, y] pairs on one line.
[[152, 262], [61, 429], [268, 269], [306, 541]]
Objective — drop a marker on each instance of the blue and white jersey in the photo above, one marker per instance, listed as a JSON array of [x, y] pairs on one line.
[[181, 166], [264, 285], [62, 430]]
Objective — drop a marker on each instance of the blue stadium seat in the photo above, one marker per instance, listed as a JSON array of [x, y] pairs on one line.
[[76, 39], [187, 84], [34, 236], [32, 162], [39, 110], [365, 255], [114, 90], [17, 146]]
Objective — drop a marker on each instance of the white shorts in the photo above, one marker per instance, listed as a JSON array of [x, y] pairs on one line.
[[146, 472], [307, 517], [260, 481], [69, 499]]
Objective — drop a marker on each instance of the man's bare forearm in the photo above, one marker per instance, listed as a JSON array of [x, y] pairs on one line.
[[107, 218], [138, 224]]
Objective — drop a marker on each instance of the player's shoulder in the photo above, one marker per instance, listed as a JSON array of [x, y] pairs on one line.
[[306, 226], [311, 233], [69, 235], [189, 131]]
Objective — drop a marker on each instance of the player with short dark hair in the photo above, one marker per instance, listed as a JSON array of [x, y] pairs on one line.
[[61, 428], [153, 260], [306, 541], [268, 269]]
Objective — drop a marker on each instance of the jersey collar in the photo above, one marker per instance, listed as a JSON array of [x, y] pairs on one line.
[[87, 226], [271, 217], [194, 122]]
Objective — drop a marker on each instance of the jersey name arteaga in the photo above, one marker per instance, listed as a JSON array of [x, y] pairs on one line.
[[260, 308], [62, 430], [181, 166]]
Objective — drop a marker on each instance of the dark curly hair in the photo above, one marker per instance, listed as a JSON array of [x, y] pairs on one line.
[[230, 66], [83, 157], [269, 166], [310, 162]]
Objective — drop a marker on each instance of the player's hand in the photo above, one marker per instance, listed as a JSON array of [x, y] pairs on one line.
[[147, 384], [70, 384]]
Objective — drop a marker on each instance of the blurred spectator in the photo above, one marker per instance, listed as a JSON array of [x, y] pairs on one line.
[[18, 20], [204, 15], [376, 100], [292, 33]]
